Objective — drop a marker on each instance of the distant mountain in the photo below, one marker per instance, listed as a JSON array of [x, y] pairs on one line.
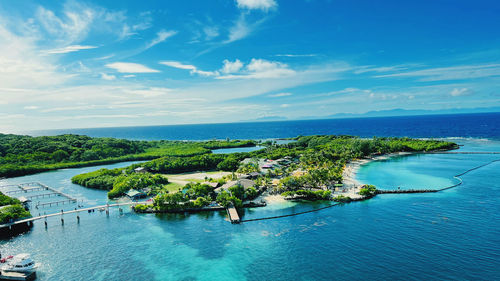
[[405, 112], [381, 113]]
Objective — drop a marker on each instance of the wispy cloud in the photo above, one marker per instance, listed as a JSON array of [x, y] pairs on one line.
[[279, 95], [450, 73], [458, 92], [72, 26], [128, 30], [296, 55], [393, 68], [128, 67], [69, 49], [161, 36], [20, 61], [193, 69], [211, 32], [239, 30], [31, 107]]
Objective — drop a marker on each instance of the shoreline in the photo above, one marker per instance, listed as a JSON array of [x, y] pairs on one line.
[[349, 180]]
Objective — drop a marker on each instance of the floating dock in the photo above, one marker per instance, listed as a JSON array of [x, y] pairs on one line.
[[23, 188], [18, 276]]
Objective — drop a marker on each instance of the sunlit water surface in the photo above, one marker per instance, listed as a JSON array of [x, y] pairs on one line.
[[448, 235]]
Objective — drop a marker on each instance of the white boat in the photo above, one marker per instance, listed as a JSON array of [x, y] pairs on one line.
[[20, 263]]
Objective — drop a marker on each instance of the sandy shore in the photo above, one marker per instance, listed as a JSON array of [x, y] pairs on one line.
[[351, 169], [272, 199], [351, 184]]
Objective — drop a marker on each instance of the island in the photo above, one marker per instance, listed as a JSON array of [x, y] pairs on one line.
[[303, 168]]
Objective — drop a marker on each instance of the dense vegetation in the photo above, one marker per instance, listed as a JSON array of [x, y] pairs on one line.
[[11, 209], [22, 155], [368, 191], [320, 158], [118, 182], [6, 200], [124, 183], [309, 194], [195, 195]]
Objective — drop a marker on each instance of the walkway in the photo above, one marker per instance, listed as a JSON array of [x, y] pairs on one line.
[[107, 206]]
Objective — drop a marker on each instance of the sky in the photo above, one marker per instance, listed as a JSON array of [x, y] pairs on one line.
[[77, 64]]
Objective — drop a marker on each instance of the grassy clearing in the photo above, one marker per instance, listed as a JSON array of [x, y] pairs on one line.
[[173, 187]]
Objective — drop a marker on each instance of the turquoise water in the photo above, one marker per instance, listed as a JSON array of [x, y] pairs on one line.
[[451, 235], [236, 149]]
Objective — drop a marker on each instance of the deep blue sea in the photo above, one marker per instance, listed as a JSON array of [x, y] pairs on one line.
[[484, 125], [451, 235]]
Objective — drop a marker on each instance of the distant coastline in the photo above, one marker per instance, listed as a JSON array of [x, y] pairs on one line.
[[475, 125]]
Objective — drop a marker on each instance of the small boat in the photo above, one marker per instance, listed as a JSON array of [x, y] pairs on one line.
[[19, 263]]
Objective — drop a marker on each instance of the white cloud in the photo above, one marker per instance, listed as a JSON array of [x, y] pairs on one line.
[[20, 61], [231, 67], [107, 77], [263, 5], [262, 69], [31, 107], [69, 49], [193, 69], [278, 95], [457, 92], [161, 36], [128, 67], [285, 105]]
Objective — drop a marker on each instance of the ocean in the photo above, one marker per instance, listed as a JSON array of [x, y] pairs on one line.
[[450, 235], [484, 125]]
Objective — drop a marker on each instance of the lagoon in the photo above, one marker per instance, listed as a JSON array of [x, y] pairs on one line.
[[237, 149]]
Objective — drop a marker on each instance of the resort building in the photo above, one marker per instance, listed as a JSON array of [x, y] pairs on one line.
[[135, 194]]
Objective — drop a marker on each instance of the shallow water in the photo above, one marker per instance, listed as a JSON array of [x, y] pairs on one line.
[[236, 149], [448, 235]]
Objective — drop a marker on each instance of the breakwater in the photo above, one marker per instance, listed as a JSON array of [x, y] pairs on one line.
[[382, 191], [291, 215], [424, 190]]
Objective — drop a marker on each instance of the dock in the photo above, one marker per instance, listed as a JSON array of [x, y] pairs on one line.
[[233, 214], [24, 188], [18, 276], [76, 211]]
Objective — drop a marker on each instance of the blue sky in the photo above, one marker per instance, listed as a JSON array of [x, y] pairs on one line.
[[71, 64]]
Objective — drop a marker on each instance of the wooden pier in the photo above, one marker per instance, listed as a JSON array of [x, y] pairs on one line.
[[233, 214], [37, 186], [77, 211]]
